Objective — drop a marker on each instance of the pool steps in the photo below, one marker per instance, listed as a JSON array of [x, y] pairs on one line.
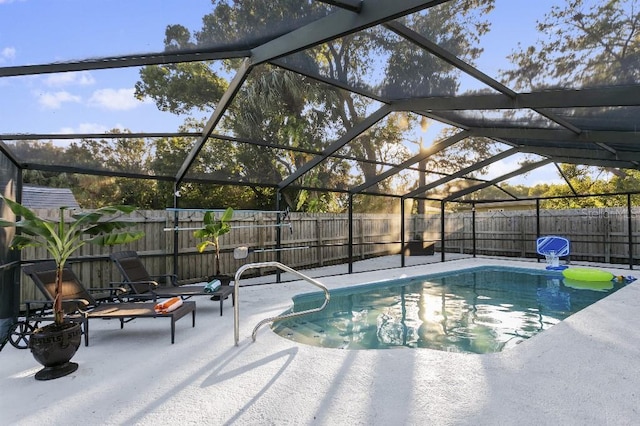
[[278, 265]]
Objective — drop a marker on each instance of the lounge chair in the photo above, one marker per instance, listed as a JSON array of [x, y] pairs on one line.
[[80, 305], [142, 284]]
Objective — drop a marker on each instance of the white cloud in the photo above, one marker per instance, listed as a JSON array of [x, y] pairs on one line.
[[7, 53], [53, 100], [83, 78], [121, 99], [86, 128]]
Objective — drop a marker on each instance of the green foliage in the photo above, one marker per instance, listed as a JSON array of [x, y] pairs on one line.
[[180, 88], [212, 231], [61, 239], [582, 42], [582, 189], [128, 155], [300, 115], [458, 26]]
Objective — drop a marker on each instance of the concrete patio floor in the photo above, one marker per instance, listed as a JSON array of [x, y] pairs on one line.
[[584, 370]]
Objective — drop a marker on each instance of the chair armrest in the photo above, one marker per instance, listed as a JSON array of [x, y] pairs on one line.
[[127, 292], [74, 306], [47, 305], [110, 293], [172, 278], [127, 284]]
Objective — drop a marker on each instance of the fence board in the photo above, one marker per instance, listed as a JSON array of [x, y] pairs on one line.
[[599, 235]]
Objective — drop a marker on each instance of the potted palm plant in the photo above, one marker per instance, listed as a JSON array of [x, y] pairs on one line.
[[211, 232], [61, 239]]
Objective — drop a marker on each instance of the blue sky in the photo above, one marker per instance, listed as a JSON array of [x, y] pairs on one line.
[[70, 29], [43, 31]]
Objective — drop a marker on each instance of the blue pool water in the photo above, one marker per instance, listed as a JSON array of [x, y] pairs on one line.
[[477, 310]]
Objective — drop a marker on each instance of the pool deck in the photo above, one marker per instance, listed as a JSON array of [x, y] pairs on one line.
[[584, 370]]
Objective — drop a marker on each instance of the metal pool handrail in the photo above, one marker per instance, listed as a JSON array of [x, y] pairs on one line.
[[236, 307]]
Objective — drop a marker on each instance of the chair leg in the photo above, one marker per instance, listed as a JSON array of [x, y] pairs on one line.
[[85, 322]]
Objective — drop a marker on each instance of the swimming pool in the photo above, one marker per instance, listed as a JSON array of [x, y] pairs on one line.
[[476, 310]]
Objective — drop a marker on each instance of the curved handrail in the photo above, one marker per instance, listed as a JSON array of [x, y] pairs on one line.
[[236, 307]]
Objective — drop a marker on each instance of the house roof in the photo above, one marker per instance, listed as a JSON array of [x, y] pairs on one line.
[[40, 197]]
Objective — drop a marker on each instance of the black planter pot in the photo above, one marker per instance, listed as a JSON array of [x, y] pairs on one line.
[[53, 346]]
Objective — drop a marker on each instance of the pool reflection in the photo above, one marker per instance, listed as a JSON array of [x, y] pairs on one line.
[[481, 310]]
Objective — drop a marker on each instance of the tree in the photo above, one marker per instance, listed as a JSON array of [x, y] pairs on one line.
[[585, 43], [127, 155], [216, 162], [43, 153], [293, 111], [584, 180], [211, 232], [64, 237]]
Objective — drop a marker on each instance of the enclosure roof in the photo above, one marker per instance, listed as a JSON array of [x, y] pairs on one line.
[[541, 84]]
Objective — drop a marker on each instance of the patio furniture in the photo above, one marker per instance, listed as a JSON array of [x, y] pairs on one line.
[[80, 305], [142, 284]]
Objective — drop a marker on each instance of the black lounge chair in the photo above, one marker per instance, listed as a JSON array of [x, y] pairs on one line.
[[80, 305], [141, 284]]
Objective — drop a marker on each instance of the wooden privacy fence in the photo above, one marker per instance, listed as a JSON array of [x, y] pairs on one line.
[[600, 235], [596, 235], [310, 240]]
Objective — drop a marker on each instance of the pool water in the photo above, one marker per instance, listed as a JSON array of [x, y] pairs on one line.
[[477, 310]]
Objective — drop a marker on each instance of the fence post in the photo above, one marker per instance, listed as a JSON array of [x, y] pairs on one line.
[[630, 231], [442, 237], [262, 238], [523, 236], [402, 231], [607, 238], [319, 241], [537, 226], [361, 238], [473, 228], [350, 225], [463, 237]]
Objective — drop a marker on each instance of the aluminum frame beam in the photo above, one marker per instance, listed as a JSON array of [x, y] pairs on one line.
[[335, 146], [336, 25], [523, 134], [436, 147], [159, 58], [599, 97], [7, 152], [451, 59], [423, 42], [615, 164], [522, 170], [587, 154], [64, 136], [223, 104], [329, 81], [462, 172]]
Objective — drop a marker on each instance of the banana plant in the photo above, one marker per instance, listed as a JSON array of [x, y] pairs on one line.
[[63, 238], [212, 230]]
